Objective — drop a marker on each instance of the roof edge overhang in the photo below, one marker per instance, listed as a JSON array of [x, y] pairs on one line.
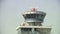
[[45, 27]]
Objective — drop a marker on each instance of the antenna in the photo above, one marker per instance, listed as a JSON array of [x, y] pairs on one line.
[[33, 9]]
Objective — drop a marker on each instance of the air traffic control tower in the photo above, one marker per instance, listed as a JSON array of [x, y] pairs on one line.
[[33, 23]]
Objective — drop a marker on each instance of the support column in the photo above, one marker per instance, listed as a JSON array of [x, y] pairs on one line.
[[32, 29], [19, 31]]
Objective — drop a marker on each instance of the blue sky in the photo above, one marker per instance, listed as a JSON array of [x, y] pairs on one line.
[[11, 14]]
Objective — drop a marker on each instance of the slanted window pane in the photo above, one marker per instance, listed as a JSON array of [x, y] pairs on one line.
[[31, 16], [26, 29]]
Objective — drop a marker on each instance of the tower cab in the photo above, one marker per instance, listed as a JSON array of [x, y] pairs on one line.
[[33, 23]]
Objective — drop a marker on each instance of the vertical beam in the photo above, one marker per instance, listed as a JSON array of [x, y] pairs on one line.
[[32, 29], [19, 31]]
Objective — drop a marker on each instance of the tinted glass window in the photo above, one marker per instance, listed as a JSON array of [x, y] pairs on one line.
[[26, 29], [31, 15]]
